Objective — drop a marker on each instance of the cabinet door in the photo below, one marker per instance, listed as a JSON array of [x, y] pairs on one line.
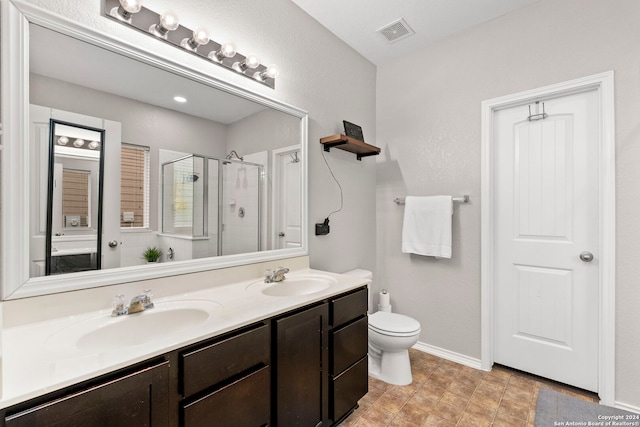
[[301, 354], [135, 400]]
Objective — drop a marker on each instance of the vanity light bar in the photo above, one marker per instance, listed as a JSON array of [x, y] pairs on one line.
[[165, 27]]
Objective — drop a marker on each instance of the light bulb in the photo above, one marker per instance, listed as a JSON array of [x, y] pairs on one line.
[[131, 6], [126, 9], [227, 50], [78, 142], [252, 61], [93, 145], [271, 72], [200, 36], [168, 22], [63, 140], [249, 62]]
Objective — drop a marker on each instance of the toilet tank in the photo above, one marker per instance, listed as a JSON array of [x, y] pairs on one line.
[[363, 274]]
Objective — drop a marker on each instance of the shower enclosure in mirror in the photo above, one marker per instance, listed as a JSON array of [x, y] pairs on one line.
[[84, 77], [208, 210]]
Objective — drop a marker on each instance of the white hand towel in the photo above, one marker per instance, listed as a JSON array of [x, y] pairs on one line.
[[426, 229]]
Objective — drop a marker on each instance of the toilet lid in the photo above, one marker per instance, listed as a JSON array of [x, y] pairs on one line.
[[393, 323]]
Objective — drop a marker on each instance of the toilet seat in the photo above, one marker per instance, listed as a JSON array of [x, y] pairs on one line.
[[393, 324]]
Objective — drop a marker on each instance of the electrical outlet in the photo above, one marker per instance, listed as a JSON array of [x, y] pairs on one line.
[[322, 228]]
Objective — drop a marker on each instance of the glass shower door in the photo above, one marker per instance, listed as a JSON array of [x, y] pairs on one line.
[[241, 207]]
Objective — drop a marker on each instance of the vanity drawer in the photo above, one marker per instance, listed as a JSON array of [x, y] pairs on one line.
[[347, 388], [349, 307], [243, 403], [349, 344], [209, 365]]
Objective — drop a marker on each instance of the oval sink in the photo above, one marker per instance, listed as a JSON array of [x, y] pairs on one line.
[[298, 285], [165, 321]]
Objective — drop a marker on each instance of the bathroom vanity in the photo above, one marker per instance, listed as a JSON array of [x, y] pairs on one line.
[[305, 364]]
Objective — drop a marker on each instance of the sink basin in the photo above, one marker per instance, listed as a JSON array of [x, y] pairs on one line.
[[165, 321], [297, 285]]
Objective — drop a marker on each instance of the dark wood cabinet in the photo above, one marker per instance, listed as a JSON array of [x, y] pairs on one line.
[[348, 346], [136, 399], [301, 355], [307, 367], [320, 361], [243, 402], [227, 381]]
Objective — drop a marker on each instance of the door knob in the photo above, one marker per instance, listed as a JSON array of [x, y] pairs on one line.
[[281, 234], [586, 256], [113, 243]]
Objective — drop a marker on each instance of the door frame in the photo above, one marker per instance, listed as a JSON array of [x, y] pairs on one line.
[[603, 83]]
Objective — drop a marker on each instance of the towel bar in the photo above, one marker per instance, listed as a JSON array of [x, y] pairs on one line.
[[463, 199]]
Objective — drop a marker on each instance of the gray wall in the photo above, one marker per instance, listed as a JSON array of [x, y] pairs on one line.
[[263, 131], [428, 125], [142, 124]]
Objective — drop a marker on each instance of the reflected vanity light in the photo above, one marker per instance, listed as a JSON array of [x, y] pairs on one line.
[[63, 140], [168, 22], [78, 142], [198, 42], [125, 9], [93, 145]]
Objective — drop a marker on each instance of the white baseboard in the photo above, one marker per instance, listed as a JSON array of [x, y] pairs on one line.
[[627, 407], [449, 355]]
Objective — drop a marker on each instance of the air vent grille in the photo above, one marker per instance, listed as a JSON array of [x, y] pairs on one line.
[[397, 30]]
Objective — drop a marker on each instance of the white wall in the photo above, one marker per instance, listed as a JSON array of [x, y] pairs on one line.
[[428, 125]]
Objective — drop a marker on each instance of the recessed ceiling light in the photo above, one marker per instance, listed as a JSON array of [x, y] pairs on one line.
[[180, 99]]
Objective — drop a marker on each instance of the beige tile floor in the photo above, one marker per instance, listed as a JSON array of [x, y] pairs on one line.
[[445, 393]]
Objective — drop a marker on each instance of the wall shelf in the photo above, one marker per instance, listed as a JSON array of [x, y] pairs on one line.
[[359, 148]]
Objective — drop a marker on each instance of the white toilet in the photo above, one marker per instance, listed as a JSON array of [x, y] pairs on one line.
[[390, 337]]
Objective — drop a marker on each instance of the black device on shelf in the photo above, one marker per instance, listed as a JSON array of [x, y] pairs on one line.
[[353, 131]]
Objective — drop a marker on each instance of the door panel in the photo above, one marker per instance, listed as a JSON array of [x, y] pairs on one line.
[[547, 204]]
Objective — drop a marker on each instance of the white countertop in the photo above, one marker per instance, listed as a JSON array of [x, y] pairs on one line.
[[34, 361]]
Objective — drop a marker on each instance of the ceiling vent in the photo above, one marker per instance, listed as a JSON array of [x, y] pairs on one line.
[[395, 31]]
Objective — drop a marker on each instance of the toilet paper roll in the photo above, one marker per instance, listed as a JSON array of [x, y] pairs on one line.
[[384, 308], [384, 299]]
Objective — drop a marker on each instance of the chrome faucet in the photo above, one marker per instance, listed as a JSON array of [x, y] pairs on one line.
[[276, 275], [138, 303]]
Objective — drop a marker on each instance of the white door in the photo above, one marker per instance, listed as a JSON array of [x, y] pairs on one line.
[[287, 200], [546, 204]]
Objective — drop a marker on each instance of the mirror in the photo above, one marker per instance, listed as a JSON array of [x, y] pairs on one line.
[[74, 197], [238, 195]]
